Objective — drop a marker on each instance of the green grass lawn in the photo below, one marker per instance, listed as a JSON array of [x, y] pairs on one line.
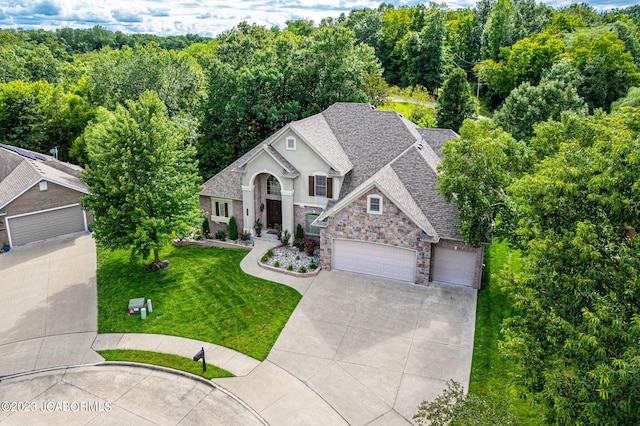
[[490, 372], [166, 360], [203, 295]]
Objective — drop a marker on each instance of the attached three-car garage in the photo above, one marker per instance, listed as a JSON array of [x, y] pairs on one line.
[[38, 226]]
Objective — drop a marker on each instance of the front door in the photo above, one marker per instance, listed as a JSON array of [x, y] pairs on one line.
[[274, 213]]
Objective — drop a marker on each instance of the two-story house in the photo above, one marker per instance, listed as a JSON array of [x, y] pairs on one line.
[[361, 180]]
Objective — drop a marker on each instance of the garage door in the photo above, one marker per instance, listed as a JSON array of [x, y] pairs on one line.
[[40, 226], [374, 259], [454, 266]]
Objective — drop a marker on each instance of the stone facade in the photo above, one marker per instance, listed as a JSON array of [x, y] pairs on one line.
[[392, 227]]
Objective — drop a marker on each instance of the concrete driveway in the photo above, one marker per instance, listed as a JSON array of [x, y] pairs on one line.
[[373, 349], [48, 308]]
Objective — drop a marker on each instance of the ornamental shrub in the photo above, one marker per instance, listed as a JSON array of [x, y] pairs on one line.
[[233, 229]]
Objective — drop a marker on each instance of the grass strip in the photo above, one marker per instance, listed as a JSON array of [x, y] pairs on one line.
[[491, 373], [165, 360]]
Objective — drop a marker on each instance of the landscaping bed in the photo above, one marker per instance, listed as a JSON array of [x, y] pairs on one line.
[[290, 259]]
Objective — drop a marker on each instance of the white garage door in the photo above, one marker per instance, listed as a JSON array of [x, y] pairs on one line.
[[40, 226], [374, 259], [454, 266]]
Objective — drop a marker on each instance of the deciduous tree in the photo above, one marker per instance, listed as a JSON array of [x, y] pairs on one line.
[[142, 178]]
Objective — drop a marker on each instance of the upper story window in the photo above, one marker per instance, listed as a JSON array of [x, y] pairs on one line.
[[291, 144], [43, 185], [320, 186], [374, 204], [273, 185]]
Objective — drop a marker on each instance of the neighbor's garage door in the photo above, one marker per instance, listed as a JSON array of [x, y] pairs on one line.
[[374, 259], [40, 226], [454, 266]]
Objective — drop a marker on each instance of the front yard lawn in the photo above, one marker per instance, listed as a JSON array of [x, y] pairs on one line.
[[203, 295]]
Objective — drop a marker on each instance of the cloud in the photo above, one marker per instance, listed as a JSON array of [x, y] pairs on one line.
[[204, 17], [46, 8], [122, 15]]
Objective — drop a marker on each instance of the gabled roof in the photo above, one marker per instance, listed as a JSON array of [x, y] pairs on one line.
[[370, 148], [409, 181], [389, 183], [20, 169]]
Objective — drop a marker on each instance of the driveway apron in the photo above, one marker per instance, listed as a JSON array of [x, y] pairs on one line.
[[48, 308]]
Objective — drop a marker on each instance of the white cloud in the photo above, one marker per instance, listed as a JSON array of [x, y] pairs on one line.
[[205, 17]]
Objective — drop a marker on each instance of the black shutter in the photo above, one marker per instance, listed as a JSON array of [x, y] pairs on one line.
[[312, 186], [329, 187]]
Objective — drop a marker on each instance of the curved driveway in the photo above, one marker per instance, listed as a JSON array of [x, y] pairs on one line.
[[357, 350]]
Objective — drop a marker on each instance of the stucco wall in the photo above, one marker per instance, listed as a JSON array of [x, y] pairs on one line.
[[392, 227]]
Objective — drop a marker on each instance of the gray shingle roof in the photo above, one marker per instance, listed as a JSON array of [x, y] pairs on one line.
[[419, 178], [18, 173], [370, 146]]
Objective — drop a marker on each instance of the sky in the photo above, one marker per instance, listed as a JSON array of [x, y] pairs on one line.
[[203, 17]]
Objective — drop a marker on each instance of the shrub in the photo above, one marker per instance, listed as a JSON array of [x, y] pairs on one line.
[[221, 235], [313, 266], [284, 239], [297, 257], [206, 230], [302, 270], [290, 267], [276, 264], [245, 236], [233, 229], [299, 243], [310, 247], [299, 232]]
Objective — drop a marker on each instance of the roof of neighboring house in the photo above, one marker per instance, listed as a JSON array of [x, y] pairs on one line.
[[20, 169], [369, 147]]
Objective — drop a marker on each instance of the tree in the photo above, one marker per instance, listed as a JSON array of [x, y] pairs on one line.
[[578, 292], [527, 105], [476, 169], [499, 30], [608, 69], [423, 54], [455, 408], [455, 104], [142, 179]]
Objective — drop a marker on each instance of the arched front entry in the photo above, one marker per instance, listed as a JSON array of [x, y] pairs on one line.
[[266, 198], [273, 201]]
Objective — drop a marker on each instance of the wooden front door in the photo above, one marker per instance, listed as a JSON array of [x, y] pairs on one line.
[[274, 213]]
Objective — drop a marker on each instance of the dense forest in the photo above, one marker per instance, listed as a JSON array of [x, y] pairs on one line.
[[546, 102]]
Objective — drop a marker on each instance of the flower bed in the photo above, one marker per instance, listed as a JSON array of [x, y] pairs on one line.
[[291, 259]]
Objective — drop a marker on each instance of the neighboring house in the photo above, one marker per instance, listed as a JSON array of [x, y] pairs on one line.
[[39, 197], [363, 181]]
